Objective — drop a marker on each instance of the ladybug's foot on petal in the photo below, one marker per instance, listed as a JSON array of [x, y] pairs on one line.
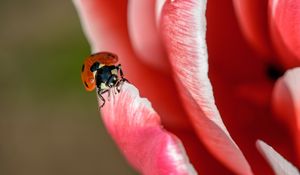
[[118, 87], [103, 102], [120, 83], [115, 90], [101, 98], [125, 80], [108, 95]]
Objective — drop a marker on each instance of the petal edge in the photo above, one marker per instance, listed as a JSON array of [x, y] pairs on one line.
[[137, 130], [184, 30], [279, 165]]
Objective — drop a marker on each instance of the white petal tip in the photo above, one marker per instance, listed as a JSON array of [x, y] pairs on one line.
[[279, 164]]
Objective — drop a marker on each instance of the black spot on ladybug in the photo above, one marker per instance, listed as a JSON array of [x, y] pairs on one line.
[[94, 67], [82, 68], [86, 84]]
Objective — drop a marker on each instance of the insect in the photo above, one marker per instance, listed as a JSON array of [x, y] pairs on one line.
[[99, 70]]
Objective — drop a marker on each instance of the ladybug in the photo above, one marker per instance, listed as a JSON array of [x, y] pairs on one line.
[[99, 70]]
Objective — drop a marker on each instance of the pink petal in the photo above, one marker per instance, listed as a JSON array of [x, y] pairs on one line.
[[144, 34], [253, 18], [285, 27], [137, 130], [184, 30], [279, 165], [286, 103], [105, 25]]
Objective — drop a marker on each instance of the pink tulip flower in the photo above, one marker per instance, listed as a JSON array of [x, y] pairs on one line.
[[210, 81]]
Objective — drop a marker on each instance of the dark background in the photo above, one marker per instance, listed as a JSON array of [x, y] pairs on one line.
[[48, 123]]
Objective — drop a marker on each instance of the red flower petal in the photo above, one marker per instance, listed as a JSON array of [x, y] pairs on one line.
[[285, 27], [286, 103], [184, 31], [144, 34], [253, 19], [137, 130], [242, 87], [279, 165]]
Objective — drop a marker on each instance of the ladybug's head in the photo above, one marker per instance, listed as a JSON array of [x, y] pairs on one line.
[[106, 75]]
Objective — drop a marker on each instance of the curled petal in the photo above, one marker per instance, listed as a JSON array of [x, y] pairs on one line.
[[144, 34], [286, 103], [279, 165], [285, 29], [254, 25], [184, 29], [137, 130]]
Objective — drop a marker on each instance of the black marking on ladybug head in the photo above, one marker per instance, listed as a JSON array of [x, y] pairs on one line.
[[86, 84], [95, 67], [82, 68]]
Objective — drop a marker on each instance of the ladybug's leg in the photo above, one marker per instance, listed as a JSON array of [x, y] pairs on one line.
[[120, 71], [122, 80], [115, 89], [108, 95], [120, 83], [118, 86], [100, 92], [103, 100]]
